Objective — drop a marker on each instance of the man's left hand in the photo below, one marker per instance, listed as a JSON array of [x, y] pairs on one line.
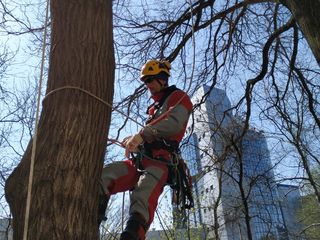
[[132, 144]]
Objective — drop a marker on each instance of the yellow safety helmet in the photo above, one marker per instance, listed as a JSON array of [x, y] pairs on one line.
[[155, 67]]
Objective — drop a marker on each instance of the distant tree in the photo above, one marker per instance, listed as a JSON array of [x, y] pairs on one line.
[[309, 211], [309, 215]]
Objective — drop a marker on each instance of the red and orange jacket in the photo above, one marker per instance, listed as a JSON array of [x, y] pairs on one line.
[[168, 116]]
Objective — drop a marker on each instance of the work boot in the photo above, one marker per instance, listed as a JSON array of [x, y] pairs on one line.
[[136, 228], [103, 204]]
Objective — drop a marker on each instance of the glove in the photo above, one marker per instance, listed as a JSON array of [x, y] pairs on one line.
[[132, 143]]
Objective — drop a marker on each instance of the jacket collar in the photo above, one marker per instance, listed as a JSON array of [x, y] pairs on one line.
[[157, 97]]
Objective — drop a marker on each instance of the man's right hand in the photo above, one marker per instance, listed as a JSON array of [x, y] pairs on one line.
[[124, 141], [132, 143]]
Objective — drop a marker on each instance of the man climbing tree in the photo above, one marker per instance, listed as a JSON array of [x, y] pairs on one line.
[[157, 148], [72, 130]]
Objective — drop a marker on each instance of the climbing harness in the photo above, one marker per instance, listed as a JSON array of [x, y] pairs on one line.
[[157, 105], [179, 177]]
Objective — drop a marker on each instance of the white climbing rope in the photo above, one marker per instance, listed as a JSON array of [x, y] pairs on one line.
[[34, 140], [97, 98]]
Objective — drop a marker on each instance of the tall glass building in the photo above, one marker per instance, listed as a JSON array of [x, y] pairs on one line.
[[234, 188]]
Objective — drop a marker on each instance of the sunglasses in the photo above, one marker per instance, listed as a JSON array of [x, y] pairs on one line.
[[149, 80]]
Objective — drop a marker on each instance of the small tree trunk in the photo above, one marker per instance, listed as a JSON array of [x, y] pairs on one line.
[[307, 14], [73, 127]]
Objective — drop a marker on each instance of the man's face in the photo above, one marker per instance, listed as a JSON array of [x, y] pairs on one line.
[[155, 85]]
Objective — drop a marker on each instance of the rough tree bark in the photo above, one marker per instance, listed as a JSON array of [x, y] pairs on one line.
[[73, 127], [307, 15]]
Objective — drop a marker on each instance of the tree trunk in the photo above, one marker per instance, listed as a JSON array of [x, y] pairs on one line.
[[72, 130], [307, 14]]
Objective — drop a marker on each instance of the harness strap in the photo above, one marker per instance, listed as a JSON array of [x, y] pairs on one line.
[[179, 178], [157, 105]]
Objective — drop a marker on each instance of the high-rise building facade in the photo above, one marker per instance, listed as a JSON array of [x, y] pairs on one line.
[[234, 188]]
